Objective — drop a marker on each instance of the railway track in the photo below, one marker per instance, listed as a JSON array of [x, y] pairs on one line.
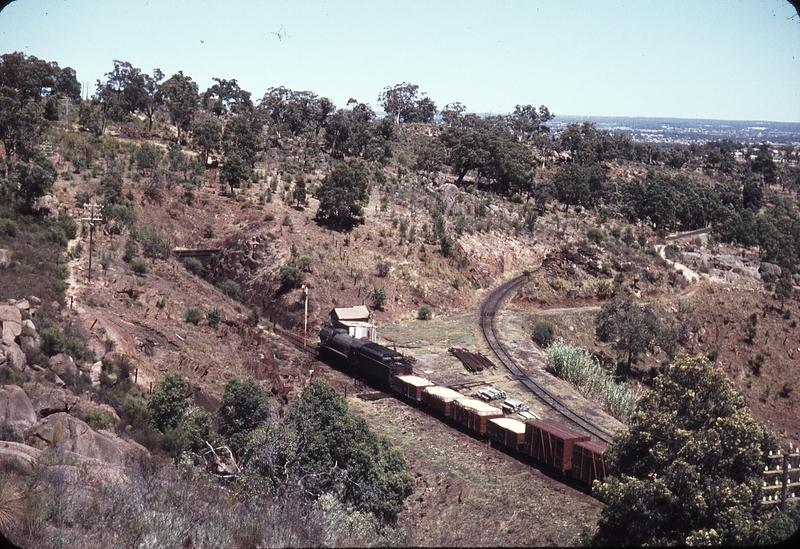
[[489, 309], [297, 341]]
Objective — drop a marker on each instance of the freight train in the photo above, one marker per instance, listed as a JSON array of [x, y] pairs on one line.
[[567, 451]]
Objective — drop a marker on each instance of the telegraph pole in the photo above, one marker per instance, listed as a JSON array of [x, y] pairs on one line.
[[305, 319], [94, 215]]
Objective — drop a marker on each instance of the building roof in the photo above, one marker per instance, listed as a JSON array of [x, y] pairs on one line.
[[359, 312], [355, 323]]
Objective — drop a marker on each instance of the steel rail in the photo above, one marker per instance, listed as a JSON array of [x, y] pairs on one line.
[[489, 308]]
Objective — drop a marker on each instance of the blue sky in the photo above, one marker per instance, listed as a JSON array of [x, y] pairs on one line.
[[727, 59]]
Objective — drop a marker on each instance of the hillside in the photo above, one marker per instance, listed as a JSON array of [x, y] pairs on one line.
[[195, 267]]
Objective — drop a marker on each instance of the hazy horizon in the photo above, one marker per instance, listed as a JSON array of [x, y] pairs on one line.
[[677, 59]]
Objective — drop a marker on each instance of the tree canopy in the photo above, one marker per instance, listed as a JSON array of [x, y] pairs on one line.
[[343, 193], [689, 469], [405, 104], [181, 99]]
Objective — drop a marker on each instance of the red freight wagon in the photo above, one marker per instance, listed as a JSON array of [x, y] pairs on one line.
[[411, 386], [440, 399], [506, 431], [551, 443], [473, 413], [588, 461]]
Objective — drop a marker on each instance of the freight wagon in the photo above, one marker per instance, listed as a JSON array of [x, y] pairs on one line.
[[411, 386], [551, 443], [474, 414], [588, 461], [440, 399], [546, 441], [507, 432]]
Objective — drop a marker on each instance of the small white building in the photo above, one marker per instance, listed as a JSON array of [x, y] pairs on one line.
[[356, 320]]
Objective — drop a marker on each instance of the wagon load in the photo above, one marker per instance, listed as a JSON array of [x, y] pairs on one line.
[[440, 399], [473, 413], [588, 461], [506, 431], [411, 386], [551, 443]]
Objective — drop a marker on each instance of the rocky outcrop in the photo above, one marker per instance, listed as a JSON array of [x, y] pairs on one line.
[[54, 402], [12, 357], [65, 432], [16, 409], [11, 319], [61, 364], [770, 268], [103, 329], [5, 258]]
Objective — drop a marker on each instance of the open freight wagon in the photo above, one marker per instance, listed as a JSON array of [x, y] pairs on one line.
[[411, 386], [474, 414], [551, 443], [506, 431], [588, 461], [440, 399]]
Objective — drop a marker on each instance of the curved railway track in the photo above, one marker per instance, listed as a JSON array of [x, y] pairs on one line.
[[489, 309]]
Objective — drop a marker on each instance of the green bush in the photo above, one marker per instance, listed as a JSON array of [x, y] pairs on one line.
[[97, 419], [291, 276], [169, 402], [8, 227], [139, 266], [543, 332], [213, 315], [193, 315], [193, 265], [230, 288], [154, 243], [595, 235], [7, 432], [425, 313], [378, 298]]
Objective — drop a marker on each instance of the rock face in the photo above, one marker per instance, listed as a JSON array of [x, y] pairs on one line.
[[12, 356], [5, 258], [62, 364], [770, 268], [65, 432], [11, 318], [56, 401], [16, 408]]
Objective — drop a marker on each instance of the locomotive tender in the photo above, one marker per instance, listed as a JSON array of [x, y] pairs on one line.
[[557, 446]]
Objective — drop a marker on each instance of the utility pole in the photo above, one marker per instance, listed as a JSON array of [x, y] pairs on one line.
[[305, 319], [94, 215]]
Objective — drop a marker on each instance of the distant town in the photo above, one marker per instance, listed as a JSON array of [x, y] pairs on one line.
[[686, 131]]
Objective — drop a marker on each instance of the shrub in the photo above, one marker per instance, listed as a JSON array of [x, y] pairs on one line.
[[425, 313], [193, 265], [154, 243], [193, 315], [7, 432], [595, 235], [139, 266], [291, 276], [8, 227], [579, 368], [378, 298], [213, 315], [168, 402], [230, 288], [382, 269], [97, 419], [543, 333]]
